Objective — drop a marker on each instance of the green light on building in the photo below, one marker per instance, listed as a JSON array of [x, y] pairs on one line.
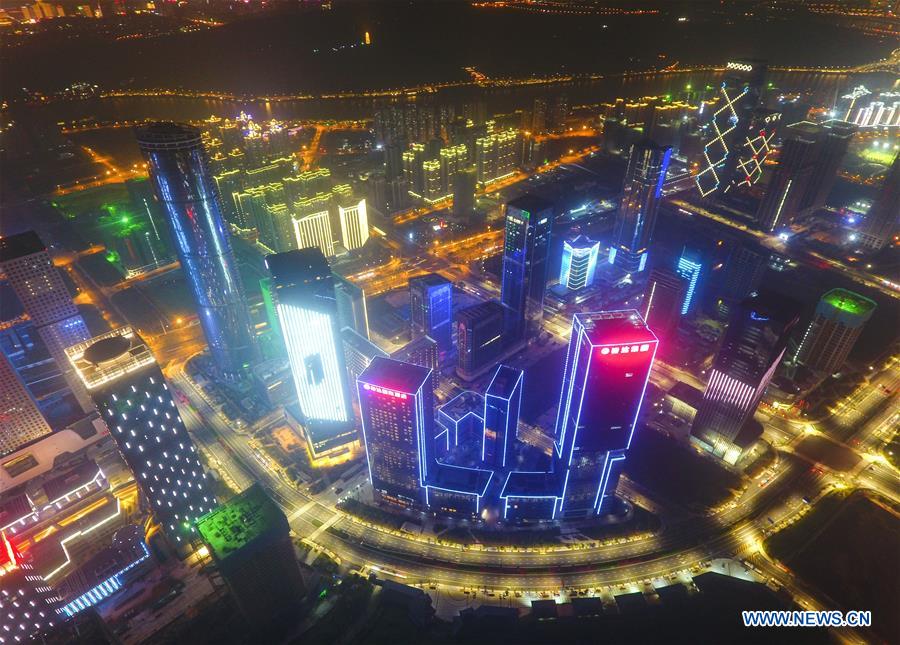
[[849, 302]]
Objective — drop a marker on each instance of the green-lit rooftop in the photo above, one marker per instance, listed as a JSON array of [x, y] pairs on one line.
[[246, 517], [852, 303]]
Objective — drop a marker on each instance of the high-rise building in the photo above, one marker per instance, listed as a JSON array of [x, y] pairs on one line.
[[184, 187], [579, 262], [526, 246], [249, 539], [663, 301], [464, 193], [689, 267], [39, 287], [351, 306], [641, 192], [832, 149], [727, 130], [29, 607], [789, 183], [836, 325], [431, 309], [479, 337], [607, 367], [358, 353], [304, 297], [132, 396], [751, 350], [882, 220], [424, 352], [21, 422], [502, 408], [314, 230], [397, 410], [751, 154], [354, 224], [744, 272], [495, 156]]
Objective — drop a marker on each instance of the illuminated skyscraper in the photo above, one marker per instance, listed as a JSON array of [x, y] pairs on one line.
[[304, 297], [39, 287], [431, 309], [354, 224], [502, 408], [185, 190], [479, 338], [314, 230], [397, 408], [882, 219], [424, 352], [495, 156], [20, 420], [744, 271], [839, 320], [636, 218], [132, 396], [729, 124], [29, 608], [351, 306], [751, 351], [607, 367], [789, 183], [689, 267], [832, 150], [526, 245], [663, 301], [579, 261]]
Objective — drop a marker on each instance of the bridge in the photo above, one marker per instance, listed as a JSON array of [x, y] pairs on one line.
[[891, 64]]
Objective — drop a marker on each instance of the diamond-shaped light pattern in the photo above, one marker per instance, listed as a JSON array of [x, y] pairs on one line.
[[753, 155], [716, 151]]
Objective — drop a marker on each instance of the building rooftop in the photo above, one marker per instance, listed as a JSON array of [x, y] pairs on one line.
[[611, 327], [21, 245], [504, 381], [531, 484], [480, 311], [360, 344], [687, 393], [109, 356], [465, 403], [167, 134], [471, 481], [430, 280], [582, 242], [850, 302], [244, 519], [530, 203], [395, 375], [298, 265]]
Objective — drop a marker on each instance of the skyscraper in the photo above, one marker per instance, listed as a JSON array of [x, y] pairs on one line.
[[431, 309], [184, 187], [833, 148], [351, 306], [479, 338], [727, 130], [314, 230], [464, 193], [579, 261], [751, 351], [526, 244], [39, 287], [689, 267], [636, 218], [308, 315], [663, 301], [132, 396], [354, 224], [249, 539], [836, 325], [502, 408], [607, 366], [744, 272], [424, 352], [790, 181], [28, 606], [397, 409], [21, 421], [881, 221]]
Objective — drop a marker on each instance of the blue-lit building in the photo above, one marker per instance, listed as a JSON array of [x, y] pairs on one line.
[[479, 338], [397, 410], [502, 407], [454, 490], [641, 194], [526, 245], [530, 496], [689, 267], [179, 169], [579, 261], [460, 419], [431, 309], [304, 298], [663, 301], [607, 367]]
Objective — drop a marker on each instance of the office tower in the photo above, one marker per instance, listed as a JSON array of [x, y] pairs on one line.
[[636, 217], [397, 410], [689, 267], [789, 183], [757, 146], [839, 320], [351, 306], [607, 366], [308, 313], [751, 350], [495, 156], [881, 221], [479, 337], [39, 287], [20, 420], [739, 96], [431, 309], [249, 540], [832, 149], [526, 246], [29, 608], [424, 352], [314, 230], [354, 224], [539, 115], [464, 193], [579, 261], [184, 188], [358, 352], [559, 112], [502, 408], [131, 394], [663, 301], [744, 272]]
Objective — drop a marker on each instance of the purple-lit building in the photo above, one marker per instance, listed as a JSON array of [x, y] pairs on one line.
[[607, 366], [502, 406]]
